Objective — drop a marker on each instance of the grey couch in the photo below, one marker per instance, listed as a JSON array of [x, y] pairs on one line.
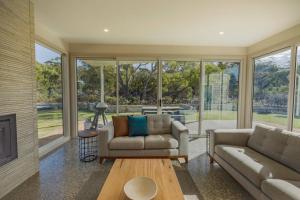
[[264, 160], [167, 138]]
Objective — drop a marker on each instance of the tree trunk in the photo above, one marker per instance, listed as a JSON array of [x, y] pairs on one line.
[[208, 107], [127, 82], [49, 92]]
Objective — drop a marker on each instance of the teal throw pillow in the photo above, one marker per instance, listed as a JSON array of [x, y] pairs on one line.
[[137, 126]]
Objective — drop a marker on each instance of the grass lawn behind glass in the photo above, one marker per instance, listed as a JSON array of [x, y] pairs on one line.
[[50, 122]]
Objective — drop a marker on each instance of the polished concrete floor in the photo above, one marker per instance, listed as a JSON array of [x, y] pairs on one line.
[[63, 176]]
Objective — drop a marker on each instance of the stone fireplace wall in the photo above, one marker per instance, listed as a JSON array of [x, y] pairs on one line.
[[17, 88]]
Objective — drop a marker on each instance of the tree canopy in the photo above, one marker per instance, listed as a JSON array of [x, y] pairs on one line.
[[49, 81]]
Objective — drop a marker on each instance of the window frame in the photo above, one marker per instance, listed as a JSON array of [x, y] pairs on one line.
[[75, 95], [294, 54], [241, 71], [291, 85], [159, 59], [43, 150]]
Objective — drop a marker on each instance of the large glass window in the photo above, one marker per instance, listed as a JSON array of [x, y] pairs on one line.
[[296, 122], [220, 94], [96, 82], [180, 92], [139, 88], [138, 82], [271, 88], [49, 94]]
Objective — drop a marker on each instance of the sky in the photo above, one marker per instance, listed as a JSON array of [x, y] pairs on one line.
[[282, 59], [43, 54]]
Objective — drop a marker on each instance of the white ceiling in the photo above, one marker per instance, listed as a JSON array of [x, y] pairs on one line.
[[167, 22]]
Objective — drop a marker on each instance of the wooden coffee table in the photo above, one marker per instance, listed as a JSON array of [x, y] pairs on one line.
[[160, 170]]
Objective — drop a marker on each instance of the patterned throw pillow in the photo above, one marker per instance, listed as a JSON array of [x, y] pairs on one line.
[[137, 126], [120, 126]]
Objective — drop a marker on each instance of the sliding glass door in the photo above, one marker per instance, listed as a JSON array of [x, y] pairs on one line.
[[96, 82], [220, 94], [138, 81], [180, 92]]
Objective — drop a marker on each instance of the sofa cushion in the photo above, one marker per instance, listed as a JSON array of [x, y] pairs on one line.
[[137, 126], [120, 125], [165, 141], [278, 189], [282, 146], [253, 165], [291, 153], [127, 143], [159, 124], [260, 134]]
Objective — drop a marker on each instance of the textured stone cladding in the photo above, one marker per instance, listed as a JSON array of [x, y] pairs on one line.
[[17, 88]]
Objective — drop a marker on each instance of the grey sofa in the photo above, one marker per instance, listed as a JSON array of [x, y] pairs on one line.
[[167, 138], [264, 160]]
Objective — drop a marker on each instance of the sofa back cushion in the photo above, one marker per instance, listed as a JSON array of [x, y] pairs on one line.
[[260, 134], [120, 125], [159, 124], [282, 146], [291, 153]]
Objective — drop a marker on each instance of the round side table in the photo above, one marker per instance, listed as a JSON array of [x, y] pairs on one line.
[[88, 145]]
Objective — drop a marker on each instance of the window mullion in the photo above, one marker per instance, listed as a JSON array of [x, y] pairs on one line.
[[201, 96], [159, 88], [291, 95], [117, 90]]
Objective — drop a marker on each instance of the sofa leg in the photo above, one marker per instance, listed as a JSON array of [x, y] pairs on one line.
[[186, 158], [211, 160], [101, 160]]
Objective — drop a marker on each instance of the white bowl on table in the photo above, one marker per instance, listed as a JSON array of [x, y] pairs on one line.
[[140, 188]]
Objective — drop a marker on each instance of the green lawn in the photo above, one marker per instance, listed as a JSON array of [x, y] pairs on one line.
[[50, 122], [278, 119]]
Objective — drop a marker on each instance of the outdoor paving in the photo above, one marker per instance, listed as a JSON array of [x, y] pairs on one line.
[[210, 124]]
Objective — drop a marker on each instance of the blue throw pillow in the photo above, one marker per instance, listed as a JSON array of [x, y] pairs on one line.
[[137, 126]]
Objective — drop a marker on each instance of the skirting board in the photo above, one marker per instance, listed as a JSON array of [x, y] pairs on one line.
[[44, 150]]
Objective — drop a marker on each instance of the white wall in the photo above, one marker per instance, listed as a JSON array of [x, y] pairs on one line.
[[49, 37], [284, 38], [152, 50]]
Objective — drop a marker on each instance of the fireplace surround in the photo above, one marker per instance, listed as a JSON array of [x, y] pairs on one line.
[[8, 139]]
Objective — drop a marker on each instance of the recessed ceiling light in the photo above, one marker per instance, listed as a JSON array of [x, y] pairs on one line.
[[221, 33], [106, 30]]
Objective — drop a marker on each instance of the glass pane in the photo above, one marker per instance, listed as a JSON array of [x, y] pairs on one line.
[[92, 77], [221, 92], [270, 90], [49, 94], [138, 87], [296, 122], [180, 92]]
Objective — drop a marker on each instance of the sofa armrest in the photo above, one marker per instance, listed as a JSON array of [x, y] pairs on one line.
[[105, 135], [181, 133], [237, 137]]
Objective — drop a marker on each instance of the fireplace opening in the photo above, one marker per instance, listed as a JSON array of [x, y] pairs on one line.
[[8, 139]]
